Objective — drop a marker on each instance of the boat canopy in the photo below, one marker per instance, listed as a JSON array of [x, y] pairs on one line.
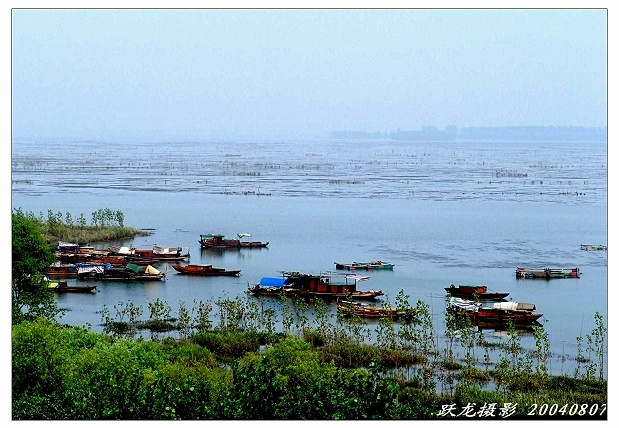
[[67, 246], [468, 305], [163, 250], [151, 270], [121, 250], [514, 306], [133, 267], [88, 268], [273, 282]]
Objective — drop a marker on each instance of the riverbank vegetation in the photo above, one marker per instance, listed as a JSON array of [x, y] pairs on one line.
[[105, 225]]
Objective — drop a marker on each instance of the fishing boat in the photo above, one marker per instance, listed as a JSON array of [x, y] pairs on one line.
[[330, 286], [73, 253], [472, 292], [547, 273], [593, 247], [77, 257], [150, 256], [113, 260], [204, 270], [375, 265], [63, 287], [275, 287], [107, 272], [217, 240], [365, 310], [61, 271], [499, 313]]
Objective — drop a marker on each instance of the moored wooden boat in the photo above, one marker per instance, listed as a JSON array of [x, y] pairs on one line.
[[501, 313], [61, 271], [149, 256], [375, 265], [365, 310], [107, 272], [472, 292], [216, 240], [324, 285], [275, 287], [113, 260], [547, 273], [63, 287], [74, 253], [204, 270]]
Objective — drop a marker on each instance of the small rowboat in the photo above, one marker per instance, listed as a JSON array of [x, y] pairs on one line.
[[376, 265], [63, 287], [366, 310]]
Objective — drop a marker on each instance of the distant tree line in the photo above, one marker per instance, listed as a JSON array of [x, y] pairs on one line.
[[526, 133]]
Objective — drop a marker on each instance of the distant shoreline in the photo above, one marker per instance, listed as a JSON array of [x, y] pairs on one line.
[[527, 133]]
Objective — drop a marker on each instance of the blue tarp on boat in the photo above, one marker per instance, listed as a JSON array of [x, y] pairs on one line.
[[273, 282]]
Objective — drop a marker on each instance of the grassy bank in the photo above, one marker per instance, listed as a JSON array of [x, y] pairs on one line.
[[105, 225]]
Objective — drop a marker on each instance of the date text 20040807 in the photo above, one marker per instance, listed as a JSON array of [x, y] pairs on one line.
[[490, 410]]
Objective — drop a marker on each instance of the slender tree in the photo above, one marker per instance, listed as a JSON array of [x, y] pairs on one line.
[[31, 258]]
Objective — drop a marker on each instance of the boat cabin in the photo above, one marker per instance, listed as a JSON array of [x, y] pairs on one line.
[[320, 283]]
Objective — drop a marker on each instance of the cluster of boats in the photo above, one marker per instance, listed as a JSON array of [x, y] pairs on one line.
[[342, 287], [120, 263], [114, 264], [486, 309], [69, 253], [490, 310]]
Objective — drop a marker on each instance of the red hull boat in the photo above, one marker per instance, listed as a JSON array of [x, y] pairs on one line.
[[204, 270]]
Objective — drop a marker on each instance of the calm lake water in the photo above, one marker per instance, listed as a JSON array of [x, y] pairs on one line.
[[465, 212]]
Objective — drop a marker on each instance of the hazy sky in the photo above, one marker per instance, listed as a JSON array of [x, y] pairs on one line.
[[197, 74]]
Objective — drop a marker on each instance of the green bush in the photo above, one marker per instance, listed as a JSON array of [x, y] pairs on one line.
[[230, 344]]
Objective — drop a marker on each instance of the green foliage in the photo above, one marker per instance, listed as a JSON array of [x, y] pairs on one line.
[[31, 257], [41, 351], [228, 343], [106, 217], [288, 381], [69, 373]]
